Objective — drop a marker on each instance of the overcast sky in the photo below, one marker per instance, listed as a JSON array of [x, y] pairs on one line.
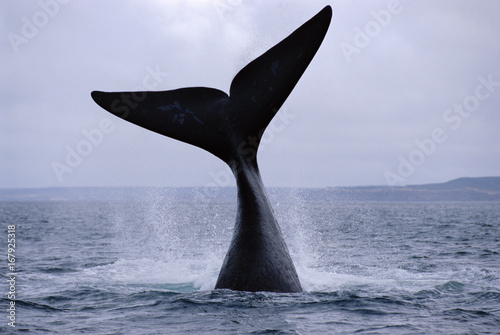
[[401, 92]]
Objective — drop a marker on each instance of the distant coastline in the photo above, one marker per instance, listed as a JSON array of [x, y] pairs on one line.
[[461, 189]]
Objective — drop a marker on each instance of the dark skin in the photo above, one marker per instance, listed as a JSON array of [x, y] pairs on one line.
[[231, 127]]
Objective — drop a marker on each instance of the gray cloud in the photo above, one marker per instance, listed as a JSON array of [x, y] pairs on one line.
[[353, 116]]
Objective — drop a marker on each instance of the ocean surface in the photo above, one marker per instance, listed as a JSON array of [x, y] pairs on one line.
[[149, 266]]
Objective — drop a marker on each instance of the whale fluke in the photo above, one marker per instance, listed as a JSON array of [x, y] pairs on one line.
[[258, 259]]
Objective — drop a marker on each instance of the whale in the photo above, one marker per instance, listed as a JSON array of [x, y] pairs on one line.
[[230, 126]]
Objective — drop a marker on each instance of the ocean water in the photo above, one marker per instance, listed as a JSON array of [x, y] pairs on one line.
[[150, 266]]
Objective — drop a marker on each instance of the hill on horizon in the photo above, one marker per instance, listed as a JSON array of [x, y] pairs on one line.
[[460, 189]]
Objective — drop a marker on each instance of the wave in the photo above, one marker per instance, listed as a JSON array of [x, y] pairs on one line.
[[190, 275]]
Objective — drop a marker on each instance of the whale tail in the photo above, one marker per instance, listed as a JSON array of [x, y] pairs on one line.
[[211, 119], [258, 259]]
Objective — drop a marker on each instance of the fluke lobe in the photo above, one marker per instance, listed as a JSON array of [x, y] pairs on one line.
[[231, 127]]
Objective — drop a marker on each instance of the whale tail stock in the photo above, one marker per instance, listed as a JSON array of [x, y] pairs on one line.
[[211, 119]]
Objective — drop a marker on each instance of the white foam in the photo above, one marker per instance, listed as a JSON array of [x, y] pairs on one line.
[[374, 279], [199, 273]]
